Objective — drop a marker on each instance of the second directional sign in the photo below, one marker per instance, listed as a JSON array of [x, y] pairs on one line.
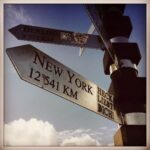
[[43, 71], [47, 35]]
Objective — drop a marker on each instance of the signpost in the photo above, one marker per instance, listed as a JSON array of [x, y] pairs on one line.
[[45, 72], [120, 62], [47, 35]]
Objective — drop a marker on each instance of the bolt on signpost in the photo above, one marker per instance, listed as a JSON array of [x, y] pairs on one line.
[[123, 103]]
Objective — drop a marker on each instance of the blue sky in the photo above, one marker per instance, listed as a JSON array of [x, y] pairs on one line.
[[26, 101]]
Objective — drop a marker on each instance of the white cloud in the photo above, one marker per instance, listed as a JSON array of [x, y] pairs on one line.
[[65, 132], [80, 137], [32, 132], [78, 131], [39, 133], [84, 140], [17, 15]]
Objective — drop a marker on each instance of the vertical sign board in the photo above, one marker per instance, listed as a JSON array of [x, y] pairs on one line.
[[45, 72]]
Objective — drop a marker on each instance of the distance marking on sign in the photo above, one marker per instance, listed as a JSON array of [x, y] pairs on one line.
[[39, 69]]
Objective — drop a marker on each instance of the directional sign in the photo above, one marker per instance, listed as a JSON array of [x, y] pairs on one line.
[[45, 72], [47, 35]]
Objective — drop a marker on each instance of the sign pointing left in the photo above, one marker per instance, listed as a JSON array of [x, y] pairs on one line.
[[47, 73], [54, 36]]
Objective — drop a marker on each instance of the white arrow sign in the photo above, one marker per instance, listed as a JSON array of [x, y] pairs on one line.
[[43, 71]]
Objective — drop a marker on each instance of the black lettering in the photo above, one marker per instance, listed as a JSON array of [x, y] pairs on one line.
[[78, 82], [65, 91], [105, 102], [99, 91], [89, 90], [108, 113], [31, 72], [57, 86], [70, 76], [48, 66], [38, 76], [84, 86], [58, 70], [105, 111], [45, 79], [41, 60], [111, 98], [52, 83], [74, 95], [68, 91], [99, 98], [105, 94], [99, 108]]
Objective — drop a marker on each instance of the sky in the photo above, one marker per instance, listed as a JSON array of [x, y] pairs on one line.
[[42, 117]]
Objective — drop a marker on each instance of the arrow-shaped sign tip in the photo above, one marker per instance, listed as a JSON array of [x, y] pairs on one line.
[[16, 31], [11, 31]]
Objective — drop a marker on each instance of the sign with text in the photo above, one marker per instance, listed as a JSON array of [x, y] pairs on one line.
[[45, 72], [47, 35]]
